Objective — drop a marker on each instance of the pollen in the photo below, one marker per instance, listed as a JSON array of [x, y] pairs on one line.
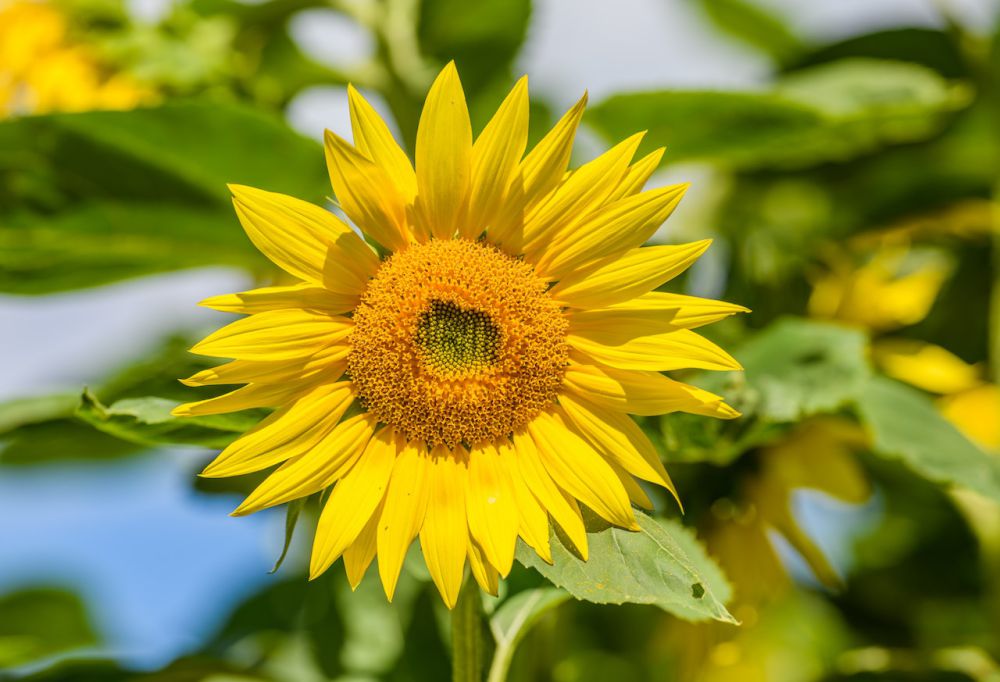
[[456, 342]]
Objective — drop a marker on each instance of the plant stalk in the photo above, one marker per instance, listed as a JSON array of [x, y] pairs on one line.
[[467, 640]]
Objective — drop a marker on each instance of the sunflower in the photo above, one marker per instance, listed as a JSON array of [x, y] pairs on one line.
[[471, 377]]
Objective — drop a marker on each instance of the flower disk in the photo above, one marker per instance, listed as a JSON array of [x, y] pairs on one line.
[[457, 342]]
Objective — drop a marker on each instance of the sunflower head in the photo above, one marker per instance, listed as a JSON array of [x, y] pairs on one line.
[[473, 385]]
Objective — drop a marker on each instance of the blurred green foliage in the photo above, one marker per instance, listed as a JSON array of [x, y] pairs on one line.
[[889, 136]]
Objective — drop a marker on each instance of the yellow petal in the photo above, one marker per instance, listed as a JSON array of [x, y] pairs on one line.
[[359, 555], [541, 170], [611, 230], [315, 470], [495, 157], [293, 430], [444, 156], [584, 190], [373, 139], [402, 513], [545, 165], [248, 397], [661, 352], [561, 506], [618, 438], [619, 279], [533, 525], [636, 495], [637, 176], [352, 502], [367, 194], [276, 335], [689, 312], [278, 372], [306, 241], [492, 510], [580, 471], [642, 393], [484, 573], [284, 297], [444, 538]]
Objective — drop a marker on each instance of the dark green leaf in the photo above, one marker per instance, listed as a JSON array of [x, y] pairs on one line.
[[661, 564], [906, 426]]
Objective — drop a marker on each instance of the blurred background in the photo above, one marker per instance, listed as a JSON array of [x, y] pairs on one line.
[[845, 157]]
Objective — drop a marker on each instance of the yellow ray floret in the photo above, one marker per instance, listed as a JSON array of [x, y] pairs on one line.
[[474, 383]]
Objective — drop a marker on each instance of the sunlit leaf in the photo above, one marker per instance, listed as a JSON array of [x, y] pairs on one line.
[[148, 421], [661, 564]]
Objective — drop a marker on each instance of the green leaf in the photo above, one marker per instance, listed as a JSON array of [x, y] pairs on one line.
[[147, 421], [793, 369], [832, 112], [932, 48], [661, 564], [40, 622], [796, 368], [482, 37], [94, 197], [745, 21], [292, 511], [98, 243], [512, 621], [905, 425]]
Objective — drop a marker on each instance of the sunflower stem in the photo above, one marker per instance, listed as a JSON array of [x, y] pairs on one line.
[[467, 640]]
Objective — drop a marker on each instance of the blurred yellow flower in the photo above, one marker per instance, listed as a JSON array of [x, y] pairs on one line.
[[887, 292], [893, 290], [976, 413], [43, 69], [924, 365], [477, 380]]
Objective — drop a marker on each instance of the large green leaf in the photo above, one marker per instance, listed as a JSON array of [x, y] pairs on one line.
[[96, 243], [832, 112], [93, 197], [661, 564], [147, 421], [905, 425]]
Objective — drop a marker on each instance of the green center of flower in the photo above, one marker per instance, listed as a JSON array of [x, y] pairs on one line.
[[456, 339]]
